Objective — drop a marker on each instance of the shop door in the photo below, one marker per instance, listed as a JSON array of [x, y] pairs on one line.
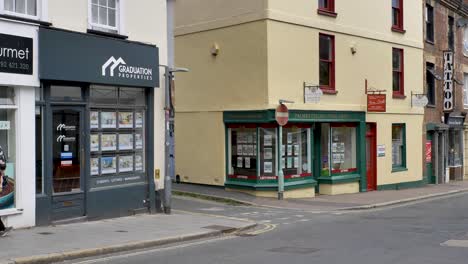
[[371, 157], [67, 163]]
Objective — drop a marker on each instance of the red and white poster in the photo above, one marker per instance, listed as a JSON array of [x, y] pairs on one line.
[[428, 151]]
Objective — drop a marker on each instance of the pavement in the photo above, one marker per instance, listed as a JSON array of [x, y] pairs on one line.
[[328, 203], [86, 239]]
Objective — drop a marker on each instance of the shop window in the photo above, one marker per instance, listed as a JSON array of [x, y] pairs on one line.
[[105, 15], [8, 145], [398, 73], [338, 147], [65, 93], [465, 91], [104, 95], [295, 157], [327, 62], [430, 83], [132, 96], [429, 23], [21, 7], [451, 34], [397, 15], [455, 155], [243, 152], [398, 146], [7, 96], [268, 147]]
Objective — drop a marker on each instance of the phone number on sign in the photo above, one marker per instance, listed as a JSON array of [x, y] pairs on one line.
[[14, 65]]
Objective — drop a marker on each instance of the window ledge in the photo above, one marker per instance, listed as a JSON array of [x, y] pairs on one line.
[[106, 34], [430, 42], [12, 211], [399, 169], [399, 96], [326, 13], [430, 106], [27, 20], [328, 91], [398, 30]]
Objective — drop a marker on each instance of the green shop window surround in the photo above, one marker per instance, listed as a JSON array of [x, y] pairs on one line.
[[398, 147]]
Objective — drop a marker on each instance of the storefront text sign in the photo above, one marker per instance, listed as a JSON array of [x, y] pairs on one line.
[[428, 151], [455, 120], [282, 115], [70, 56], [16, 54], [376, 103], [380, 150], [448, 81]]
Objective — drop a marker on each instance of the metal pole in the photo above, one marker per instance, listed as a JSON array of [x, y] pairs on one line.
[[167, 111], [280, 165], [436, 156]]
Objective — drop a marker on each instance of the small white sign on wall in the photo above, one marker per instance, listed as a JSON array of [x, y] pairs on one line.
[[380, 150], [4, 125]]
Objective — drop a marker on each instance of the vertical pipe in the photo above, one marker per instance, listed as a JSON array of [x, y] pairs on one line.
[[435, 140], [167, 176], [280, 166]]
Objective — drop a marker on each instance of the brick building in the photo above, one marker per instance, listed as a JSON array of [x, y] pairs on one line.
[[446, 75]]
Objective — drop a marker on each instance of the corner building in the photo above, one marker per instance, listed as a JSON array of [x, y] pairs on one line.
[[246, 56]]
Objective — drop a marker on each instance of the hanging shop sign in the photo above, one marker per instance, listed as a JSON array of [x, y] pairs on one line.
[[282, 114], [455, 120], [16, 54], [419, 100], [428, 151], [72, 56], [376, 103], [312, 93], [448, 81]]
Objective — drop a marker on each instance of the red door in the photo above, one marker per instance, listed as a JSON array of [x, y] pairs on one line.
[[371, 156]]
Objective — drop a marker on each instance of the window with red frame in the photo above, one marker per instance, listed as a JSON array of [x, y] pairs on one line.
[[398, 72], [327, 62], [397, 14], [327, 5]]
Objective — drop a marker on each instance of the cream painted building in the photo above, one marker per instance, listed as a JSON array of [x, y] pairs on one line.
[[247, 55]]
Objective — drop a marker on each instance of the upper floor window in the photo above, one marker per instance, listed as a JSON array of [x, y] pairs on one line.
[[327, 5], [397, 15], [105, 15], [465, 91], [430, 83], [429, 23], [398, 70], [451, 34], [465, 41], [26, 8], [327, 62]]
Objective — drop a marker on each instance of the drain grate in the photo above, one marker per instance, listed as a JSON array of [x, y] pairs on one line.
[[294, 250], [220, 228], [45, 233]]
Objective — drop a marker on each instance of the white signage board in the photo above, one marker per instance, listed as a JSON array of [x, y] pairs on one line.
[[380, 150], [419, 101], [312, 95], [4, 125]]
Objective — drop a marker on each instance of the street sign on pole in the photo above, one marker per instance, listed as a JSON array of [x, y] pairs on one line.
[[282, 115]]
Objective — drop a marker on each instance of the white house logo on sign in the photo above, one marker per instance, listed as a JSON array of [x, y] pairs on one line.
[[448, 81], [125, 71]]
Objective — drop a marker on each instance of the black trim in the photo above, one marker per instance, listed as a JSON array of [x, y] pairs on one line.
[[106, 34], [28, 20]]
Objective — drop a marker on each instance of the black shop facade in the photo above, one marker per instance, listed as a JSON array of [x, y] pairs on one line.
[[94, 127]]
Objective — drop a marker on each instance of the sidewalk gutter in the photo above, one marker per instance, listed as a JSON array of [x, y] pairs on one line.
[[84, 253], [214, 198]]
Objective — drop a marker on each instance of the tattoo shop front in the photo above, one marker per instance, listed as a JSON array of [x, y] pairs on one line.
[[319, 151], [94, 124]]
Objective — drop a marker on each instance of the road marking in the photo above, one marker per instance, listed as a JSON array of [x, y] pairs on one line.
[[286, 223], [455, 243], [267, 228], [299, 216], [265, 221], [110, 258], [283, 218], [304, 220]]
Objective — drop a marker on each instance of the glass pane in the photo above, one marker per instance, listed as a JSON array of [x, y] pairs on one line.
[[323, 4], [294, 157], [396, 3], [396, 81], [39, 161], [397, 145], [8, 167], [455, 149], [244, 152], [66, 151], [111, 3], [20, 6], [9, 5], [343, 149], [325, 149], [325, 47], [325, 73], [66, 93], [7, 96], [395, 17], [102, 15], [103, 2], [112, 17], [94, 1], [104, 95], [132, 96], [31, 8], [466, 90], [396, 60], [268, 151], [94, 14]]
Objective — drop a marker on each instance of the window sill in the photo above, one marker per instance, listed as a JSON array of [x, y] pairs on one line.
[[430, 42], [328, 91], [106, 34], [431, 106], [399, 96], [27, 20], [398, 30], [399, 169], [325, 12], [12, 211]]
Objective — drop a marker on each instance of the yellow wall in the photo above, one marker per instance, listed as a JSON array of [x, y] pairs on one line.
[[200, 147]]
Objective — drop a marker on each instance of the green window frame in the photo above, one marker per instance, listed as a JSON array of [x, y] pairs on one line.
[[396, 148]]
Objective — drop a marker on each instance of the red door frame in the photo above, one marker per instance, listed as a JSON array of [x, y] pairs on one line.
[[371, 164]]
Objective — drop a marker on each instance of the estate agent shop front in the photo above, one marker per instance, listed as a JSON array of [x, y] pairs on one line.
[[95, 110]]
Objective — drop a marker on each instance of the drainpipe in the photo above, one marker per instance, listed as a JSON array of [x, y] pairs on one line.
[[436, 156]]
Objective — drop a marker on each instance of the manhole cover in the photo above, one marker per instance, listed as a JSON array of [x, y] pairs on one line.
[[45, 233], [220, 228], [294, 250], [121, 231]]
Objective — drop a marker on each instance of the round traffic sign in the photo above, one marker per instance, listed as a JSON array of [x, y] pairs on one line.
[[282, 115]]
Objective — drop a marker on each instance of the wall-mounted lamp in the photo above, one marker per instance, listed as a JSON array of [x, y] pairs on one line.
[[214, 50]]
